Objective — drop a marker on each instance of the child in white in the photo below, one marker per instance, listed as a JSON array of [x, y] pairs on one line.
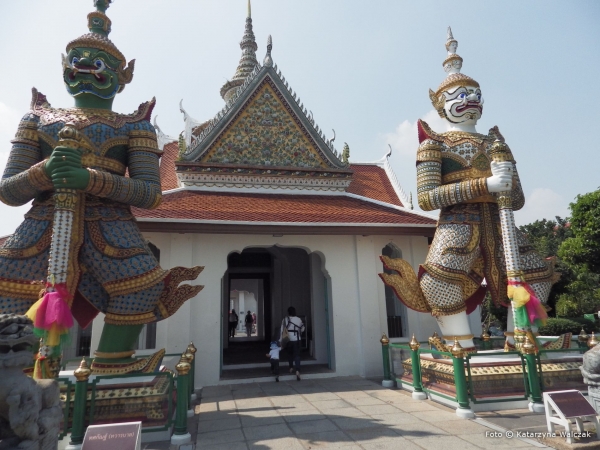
[[274, 358]]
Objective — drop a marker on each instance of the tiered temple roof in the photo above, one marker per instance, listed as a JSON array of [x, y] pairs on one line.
[[264, 161]]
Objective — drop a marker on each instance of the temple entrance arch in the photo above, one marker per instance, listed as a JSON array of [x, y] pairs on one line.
[[266, 281], [396, 310]]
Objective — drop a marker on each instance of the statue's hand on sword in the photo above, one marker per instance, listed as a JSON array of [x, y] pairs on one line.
[[65, 169], [502, 176]]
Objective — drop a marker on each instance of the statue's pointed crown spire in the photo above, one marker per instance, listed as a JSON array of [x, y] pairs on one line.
[[453, 62], [100, 26], [452, 66], [248, 59]]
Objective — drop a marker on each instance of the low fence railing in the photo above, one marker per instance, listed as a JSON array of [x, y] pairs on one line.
[[529, 358], [81, 398]]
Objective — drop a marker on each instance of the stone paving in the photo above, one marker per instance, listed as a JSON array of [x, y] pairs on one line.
[[350, 413]]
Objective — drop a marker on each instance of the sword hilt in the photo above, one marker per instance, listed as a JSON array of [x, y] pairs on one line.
[[501, 153], [70, 137]]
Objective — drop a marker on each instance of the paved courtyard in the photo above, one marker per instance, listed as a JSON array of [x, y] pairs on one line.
[[349, 413]]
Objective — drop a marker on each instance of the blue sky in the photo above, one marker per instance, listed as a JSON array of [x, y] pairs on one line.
[[363, 68]]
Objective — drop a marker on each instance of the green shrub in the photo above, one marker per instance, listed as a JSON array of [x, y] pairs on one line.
[[556, 327], [588, 325]]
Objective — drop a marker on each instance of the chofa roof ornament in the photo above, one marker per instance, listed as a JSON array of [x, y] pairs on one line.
[[268, 61], [452, 66]]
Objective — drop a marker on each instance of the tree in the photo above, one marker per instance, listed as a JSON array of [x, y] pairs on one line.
[[546, 236], [581, 254], [583, 248]]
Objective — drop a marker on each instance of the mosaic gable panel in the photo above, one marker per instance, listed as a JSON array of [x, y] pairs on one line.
[[265, 133]]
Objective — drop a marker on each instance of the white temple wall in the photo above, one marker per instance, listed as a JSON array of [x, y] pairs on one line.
[[317, 287], [356, 302]]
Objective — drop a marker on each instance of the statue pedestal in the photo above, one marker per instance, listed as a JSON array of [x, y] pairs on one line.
[[148, 398], [494, 377], [594, 397]]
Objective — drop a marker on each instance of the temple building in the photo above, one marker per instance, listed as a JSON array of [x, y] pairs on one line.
[[278, 217]]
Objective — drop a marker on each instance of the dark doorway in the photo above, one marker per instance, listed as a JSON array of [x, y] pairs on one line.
[[268, 281]]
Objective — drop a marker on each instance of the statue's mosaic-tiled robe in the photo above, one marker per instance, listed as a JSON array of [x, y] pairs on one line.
[[451, 175], [117, 273]]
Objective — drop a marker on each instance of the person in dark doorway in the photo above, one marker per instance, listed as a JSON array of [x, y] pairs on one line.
[[274, 358], [233, 322], [295, 328], [248, 320]]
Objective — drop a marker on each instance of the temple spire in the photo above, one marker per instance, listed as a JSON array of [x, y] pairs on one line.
[[247, 62]]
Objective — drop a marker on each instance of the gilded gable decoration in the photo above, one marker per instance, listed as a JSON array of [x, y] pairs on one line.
[[263, 137]]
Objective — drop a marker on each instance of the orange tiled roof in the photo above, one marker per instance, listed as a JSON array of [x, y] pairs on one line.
[[371, 181], [168, 177], [368, 180], [3, 239], [225, 206]]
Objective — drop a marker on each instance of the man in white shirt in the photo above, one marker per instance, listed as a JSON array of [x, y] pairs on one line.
[[295, 329]]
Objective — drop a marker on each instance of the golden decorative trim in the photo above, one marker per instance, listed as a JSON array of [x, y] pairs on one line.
[[142, 365], [23, 290], [97, 41], [92, 160], [22, 253], [460, 337], [454, 80], [173, 295], [515, 274], [143, 142], [114, 355], [38, 178], [135, 284], [404, 283], [130, 319], [504, 202], [114, 252]]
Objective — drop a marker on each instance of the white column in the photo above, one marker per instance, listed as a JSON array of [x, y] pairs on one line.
[[178, 326], [370, 322], [317, 285], [340, 257], [242, 312], [206, 312]]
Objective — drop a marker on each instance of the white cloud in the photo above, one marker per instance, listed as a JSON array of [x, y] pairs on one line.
[[405, 141], [9, 119], [405, 138], [542, 203]]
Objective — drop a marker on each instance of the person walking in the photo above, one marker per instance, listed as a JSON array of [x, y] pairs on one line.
[[248, 322], [273, 355], [233, 322], [295, 328]]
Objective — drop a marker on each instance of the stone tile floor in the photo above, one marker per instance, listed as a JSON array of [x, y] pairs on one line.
[[349, 413], [342, 413]]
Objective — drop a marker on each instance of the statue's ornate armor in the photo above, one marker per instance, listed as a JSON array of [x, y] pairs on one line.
[[117, 273], [452, 169]]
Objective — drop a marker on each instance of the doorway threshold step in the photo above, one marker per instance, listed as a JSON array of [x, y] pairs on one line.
[[304, 362], [263, 373]]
